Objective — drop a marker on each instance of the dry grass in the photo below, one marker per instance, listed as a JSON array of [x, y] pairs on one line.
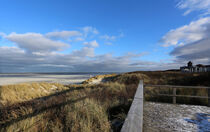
[[87, 107], [175, 78], [10, 94], [86, 116], [102, 78], [169, 78], [63, 112]]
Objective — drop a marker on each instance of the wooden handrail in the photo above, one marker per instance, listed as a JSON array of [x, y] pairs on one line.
[[134, 119], [188, 96], [175, 86], [174, 91]]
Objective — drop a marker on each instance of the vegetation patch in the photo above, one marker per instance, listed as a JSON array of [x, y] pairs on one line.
[[99, 78], [11, 94]]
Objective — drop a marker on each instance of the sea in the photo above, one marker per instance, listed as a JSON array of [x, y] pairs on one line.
[[52, 77]]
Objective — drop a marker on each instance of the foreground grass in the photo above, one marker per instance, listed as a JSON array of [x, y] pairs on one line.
[[86, 115], [76, 108]]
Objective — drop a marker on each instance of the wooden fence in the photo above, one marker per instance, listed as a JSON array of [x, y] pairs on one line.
[[134, 119], [174, 95]]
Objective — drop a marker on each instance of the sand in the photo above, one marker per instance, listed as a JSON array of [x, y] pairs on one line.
[[6, 79], [163, 117]]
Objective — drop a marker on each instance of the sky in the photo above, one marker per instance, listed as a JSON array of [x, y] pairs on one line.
[[102, 36]]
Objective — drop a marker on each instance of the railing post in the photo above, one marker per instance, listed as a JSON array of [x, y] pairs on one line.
[[208, 97], [174, 95]]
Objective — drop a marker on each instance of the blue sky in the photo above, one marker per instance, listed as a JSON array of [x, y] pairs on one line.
[[115, 35]]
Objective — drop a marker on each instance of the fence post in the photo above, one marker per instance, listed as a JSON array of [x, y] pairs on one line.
[[208, 97], [174, 95]]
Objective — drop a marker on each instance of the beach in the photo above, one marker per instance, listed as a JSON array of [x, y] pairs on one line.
[[67, 78]]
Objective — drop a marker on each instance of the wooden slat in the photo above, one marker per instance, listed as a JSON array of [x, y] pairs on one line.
[[174, 96], [174, 86], [134, 119], [188, 96], [209, 97]]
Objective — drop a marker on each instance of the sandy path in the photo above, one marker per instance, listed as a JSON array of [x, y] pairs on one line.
[[162, 117]]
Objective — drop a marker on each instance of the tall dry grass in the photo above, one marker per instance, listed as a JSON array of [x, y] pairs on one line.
[[86, 116], [79, 108], [11, 94]]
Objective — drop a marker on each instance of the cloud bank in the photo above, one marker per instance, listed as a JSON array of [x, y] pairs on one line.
[[36, 42], [35, 52], [192, 32], [63, 34], [14, 59]]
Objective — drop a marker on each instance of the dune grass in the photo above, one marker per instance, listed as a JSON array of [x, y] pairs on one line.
[[103, 78], [64, 112], [10, 94], [86, 107], [86, 115]]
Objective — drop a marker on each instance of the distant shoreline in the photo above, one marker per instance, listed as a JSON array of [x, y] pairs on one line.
[[63, 78], [63, 73]]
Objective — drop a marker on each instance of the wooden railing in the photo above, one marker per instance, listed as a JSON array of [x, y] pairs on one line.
[[174, 95], [134, 119]]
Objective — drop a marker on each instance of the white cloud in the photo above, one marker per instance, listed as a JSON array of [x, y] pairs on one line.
[[134, 55], [46, 53], [79, 39], [108, 38], [195, 31], [36, 42], [84, 52], [14, 50], [93, 44], [63, 34], [195, 5], [89, 30], [112, 37], [2, 34]]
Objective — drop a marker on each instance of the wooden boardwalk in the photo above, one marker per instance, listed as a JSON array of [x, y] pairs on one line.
[[134, 120]]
